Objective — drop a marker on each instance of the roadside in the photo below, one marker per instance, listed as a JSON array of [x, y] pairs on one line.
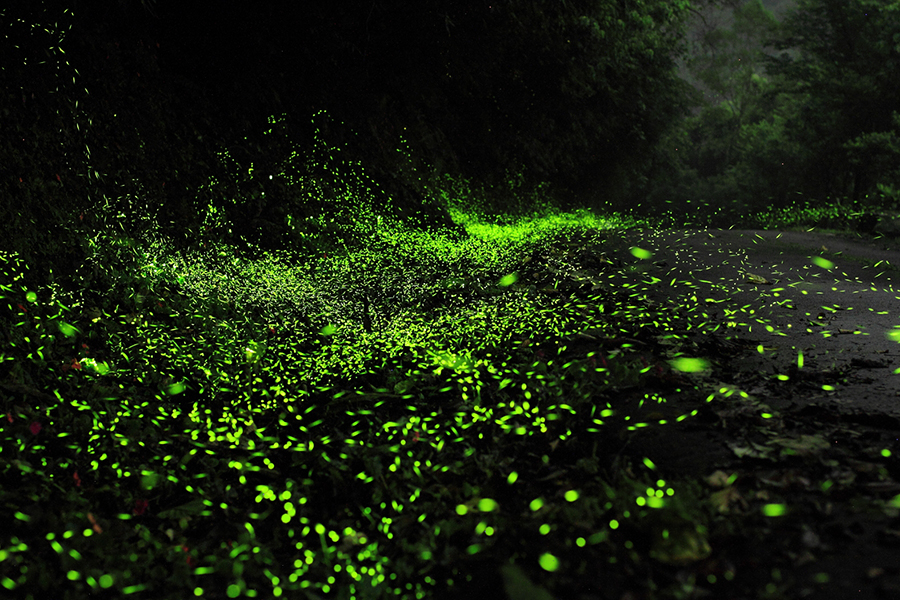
[[802, 470]]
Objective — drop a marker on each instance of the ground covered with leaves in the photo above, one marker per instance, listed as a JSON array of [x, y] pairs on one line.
[[516, 413]]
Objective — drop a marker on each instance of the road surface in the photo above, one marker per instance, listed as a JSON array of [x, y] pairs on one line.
[[827, 295]]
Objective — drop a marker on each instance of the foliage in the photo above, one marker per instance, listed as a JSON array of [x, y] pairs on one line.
[[480, 96], [846, 67], [816, 119], [113, 163], [248, 374], [226, 425], [82, 164], [190, 446]]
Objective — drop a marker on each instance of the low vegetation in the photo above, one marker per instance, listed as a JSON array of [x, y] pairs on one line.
[[403, 416]]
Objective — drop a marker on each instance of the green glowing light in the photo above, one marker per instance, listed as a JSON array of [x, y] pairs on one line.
[[548, 562], [487, 505], [508, 280], [68, 330], [822, 262], [689, 365]]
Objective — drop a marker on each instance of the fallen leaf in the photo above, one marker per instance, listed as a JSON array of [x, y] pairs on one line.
[[756, 278], [719, 479], [724, 500]]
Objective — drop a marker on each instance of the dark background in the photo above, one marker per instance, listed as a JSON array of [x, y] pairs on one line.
[[191, 118]]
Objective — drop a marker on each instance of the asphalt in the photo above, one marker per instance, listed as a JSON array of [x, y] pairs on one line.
[[827, 295]]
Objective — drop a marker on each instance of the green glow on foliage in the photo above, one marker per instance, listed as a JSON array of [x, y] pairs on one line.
[[175, 388], [94, 366], [370, 444], [67, 330], [149, 480]]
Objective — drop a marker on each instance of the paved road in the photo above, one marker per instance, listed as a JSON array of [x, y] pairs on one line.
[[830, 296]]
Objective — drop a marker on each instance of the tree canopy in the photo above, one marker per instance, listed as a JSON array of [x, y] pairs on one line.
[[571, 92], [804, 108]]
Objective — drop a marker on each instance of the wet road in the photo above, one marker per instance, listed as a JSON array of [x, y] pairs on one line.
[[830, 296]]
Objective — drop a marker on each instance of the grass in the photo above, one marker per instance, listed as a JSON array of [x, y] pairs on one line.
[[404, 417]]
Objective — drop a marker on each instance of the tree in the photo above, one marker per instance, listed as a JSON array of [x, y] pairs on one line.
[[846, 73], [730, 64], [703, 160], [569, 92]]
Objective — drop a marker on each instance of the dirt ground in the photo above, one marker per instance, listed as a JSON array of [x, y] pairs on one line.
[[817, 434]]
